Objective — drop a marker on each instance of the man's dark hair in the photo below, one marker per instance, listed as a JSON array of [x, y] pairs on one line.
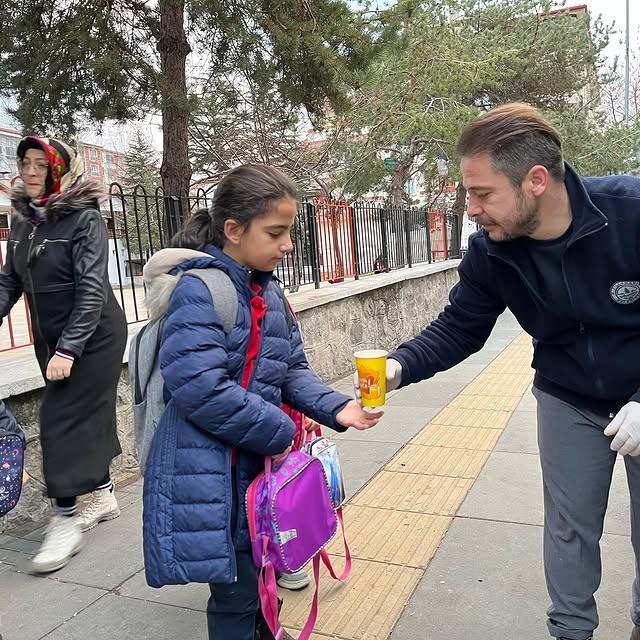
[[516, 137]]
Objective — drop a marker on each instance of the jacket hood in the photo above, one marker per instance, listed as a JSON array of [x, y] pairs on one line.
[[83, 195], [159, 279]]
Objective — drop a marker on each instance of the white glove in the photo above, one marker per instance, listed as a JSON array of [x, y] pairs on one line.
[[394, 376], [626, 429]]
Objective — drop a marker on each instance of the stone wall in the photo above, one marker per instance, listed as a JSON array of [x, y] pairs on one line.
[[379, 312], [378, 318]]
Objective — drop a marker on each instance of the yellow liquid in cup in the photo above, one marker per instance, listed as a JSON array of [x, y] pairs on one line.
[[372, 376]]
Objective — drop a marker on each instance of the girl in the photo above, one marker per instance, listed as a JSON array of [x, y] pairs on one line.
[[58, 256], [224, 393]]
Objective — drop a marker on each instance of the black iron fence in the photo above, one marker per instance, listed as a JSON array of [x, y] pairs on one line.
[[332, 240]]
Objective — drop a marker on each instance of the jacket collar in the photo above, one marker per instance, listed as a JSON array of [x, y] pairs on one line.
[[239, 274], [587, 218], [83, 195]]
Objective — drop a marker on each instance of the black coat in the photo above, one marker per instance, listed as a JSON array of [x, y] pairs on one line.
[[62, 267]]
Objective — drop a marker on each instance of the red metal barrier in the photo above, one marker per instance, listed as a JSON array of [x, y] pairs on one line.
[[336, 247], [438, 232], [16, 329]]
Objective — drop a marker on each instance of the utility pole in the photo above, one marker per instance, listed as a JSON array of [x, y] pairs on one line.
[[626, 72]]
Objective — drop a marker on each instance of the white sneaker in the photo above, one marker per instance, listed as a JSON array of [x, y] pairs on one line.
[[101, 507], [294, 581], [62, 540]]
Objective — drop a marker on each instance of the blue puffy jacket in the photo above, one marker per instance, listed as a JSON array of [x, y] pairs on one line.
[[188, 483]]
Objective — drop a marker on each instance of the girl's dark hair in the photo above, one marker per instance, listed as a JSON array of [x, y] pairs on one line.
[[244, 194]]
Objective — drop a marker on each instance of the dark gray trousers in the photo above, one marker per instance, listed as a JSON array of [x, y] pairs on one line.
[[577, 466]]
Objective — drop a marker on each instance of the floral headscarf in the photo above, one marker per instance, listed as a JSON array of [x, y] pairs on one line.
[[65, 165]]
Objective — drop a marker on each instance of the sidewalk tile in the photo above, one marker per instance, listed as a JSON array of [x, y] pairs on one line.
[[439, 461], [440, 435], [32, 606], [117, 618], [366, 607], [493, 403], [395, 537], [487, 418], [417, 493], [502, 383]]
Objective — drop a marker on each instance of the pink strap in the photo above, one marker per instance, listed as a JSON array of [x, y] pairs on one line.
[[309, 435], [313, 614], [268, 593], [327, 560]]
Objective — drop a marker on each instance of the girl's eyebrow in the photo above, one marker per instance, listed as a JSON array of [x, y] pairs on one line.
[[273, 227]]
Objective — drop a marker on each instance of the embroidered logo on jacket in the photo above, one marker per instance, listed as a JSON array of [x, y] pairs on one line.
[[625, 292]]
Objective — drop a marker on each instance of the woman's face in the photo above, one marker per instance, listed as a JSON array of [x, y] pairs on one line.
[[33, 171]]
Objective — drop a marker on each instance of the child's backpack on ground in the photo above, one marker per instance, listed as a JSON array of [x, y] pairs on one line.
[[12, 446], [145, 377]]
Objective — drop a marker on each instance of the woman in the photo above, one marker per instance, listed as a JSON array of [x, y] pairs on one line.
[[58, 256]]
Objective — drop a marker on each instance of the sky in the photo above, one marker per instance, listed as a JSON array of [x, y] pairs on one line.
[[614, 11]]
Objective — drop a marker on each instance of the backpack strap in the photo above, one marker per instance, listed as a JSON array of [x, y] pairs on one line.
[[327, 560], [223, 294], [268, 594]]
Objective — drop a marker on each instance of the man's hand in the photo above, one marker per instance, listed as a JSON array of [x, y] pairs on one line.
[[59, 368], [626, 429], [353, 415], [394, 376]]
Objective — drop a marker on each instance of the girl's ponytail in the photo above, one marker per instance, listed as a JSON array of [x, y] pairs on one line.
[[196, 233]]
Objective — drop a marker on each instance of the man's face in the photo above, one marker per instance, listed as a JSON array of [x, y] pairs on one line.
[[506, 212]]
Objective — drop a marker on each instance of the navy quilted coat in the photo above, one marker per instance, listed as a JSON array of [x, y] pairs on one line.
[[188, 482]]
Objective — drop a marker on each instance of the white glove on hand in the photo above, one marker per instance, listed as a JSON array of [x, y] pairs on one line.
[[626, 429], [394, 376]]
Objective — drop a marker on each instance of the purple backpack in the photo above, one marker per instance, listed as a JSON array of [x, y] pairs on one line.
[[291, 520], [11, 468]]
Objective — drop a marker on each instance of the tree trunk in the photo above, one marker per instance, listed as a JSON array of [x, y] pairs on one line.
[[398, 183], [459, 207], [174, 49]]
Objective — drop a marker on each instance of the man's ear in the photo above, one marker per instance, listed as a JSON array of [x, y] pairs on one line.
[[537, 180]]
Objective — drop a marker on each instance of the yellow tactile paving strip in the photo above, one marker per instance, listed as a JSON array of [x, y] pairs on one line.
[[396, 522]]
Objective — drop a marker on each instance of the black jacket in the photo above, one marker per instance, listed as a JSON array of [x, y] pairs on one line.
[[62, 267], [590, 358]]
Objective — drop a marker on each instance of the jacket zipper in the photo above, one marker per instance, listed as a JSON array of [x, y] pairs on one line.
[[583, 332], [581, 327], [36, 315]]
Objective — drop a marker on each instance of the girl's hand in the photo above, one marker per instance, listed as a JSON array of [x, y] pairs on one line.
[[59, 368], [277, 459], [353, 415]]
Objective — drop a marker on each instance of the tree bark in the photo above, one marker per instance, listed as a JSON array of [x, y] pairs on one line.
[[174, 49], [459, 207]]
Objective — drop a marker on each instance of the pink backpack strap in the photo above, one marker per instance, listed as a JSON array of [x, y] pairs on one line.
[[327, 560], [268, 593]]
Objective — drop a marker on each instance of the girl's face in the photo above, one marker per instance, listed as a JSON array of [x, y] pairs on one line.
[[33, 171], [262, 244]]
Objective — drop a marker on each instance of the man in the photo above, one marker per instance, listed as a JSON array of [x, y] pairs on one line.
[[563, 253]]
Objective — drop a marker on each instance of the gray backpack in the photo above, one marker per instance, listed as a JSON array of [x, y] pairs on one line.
[[145, 377]]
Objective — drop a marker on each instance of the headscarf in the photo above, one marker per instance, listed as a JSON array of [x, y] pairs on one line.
[[65, 165]]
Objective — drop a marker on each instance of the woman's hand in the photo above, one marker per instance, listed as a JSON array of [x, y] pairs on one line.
[[59, 368], [353, 415]]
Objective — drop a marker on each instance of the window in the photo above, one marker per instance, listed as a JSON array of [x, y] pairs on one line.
[[108, 157], [93, 153], [94, 170]]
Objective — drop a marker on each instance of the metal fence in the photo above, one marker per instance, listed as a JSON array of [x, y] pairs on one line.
[[332, 240]]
